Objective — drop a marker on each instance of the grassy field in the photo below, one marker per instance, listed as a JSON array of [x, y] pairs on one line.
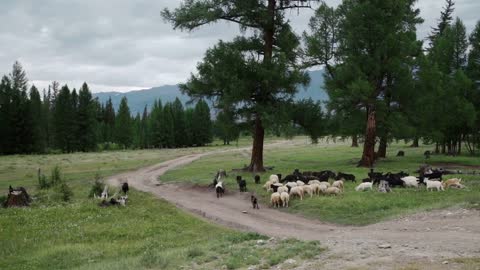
[[353, 208], [147, 234]]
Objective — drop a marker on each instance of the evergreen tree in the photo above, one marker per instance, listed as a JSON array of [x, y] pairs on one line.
[[444, 21], [137, 131], [21, 117], [38, 123], [367, 63], [249, 74], [226, 128], [109, 122], [7, 134], [86, 120], [189, 132], [156, 125], [202, 124], [179, 123], [473, 66], [168, 126], [144, 129], [63, 120], [124, 125]]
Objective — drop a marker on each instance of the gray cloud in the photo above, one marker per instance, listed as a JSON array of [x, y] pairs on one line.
[[122, 45]]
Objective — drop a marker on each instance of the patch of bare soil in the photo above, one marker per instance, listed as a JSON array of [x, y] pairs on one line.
[[453, 165], [425, 239]]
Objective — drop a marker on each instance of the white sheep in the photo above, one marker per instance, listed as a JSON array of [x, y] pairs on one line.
[[297, 191], [308, 189], [300, 183], [323, 187], [285, 198], [326, 183], [315, 188], [282, 189], [433, 184], [333, 191], [275, 199], [410, 181], [338, 184], [364, 186], [314, 182], [291, 184], [273, 178]]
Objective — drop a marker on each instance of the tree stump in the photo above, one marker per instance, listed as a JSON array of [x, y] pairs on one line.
[[17, 197]]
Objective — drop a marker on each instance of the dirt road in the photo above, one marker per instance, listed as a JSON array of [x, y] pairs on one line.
[[425, 238]]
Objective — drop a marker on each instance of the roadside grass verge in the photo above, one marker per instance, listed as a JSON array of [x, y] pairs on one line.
[[352, 208]]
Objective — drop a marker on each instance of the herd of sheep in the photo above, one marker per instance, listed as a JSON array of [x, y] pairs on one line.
[[310, 184]]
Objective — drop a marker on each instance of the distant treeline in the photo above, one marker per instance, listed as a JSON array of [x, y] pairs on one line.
[[65, 120]]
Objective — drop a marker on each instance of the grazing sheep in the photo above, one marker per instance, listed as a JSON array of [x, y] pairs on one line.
[[300, 183], [364, 186], [314, 182], [219, 189], [427, 154], [291, 184], [273, 178], [327, 173], [384, 187], [279, 177], [285, 198], [325, 183], [451, 182], [297, 191], [254, 201], [275, 199], [125, 188], [338, 184], [316, 188], [323, 187], [274, 187], [308, 189], [282, 189], [433, 185], [333, 191], [410, 181], [345, 176], [400, 153], [257, 179]]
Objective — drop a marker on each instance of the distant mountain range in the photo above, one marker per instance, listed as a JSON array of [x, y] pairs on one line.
[[137, 99]]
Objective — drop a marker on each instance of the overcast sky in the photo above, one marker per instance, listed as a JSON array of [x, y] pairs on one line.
[[120, 45]]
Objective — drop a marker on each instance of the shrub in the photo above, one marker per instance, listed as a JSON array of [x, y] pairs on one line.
[[64, 192], [43, 182], [56, 177], [97, 187]]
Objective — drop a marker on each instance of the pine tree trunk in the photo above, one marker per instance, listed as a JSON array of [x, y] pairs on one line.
[[382, 147], [443, 147], [368, 157], [256, 163], [355, 140], [459, 148], [415, 142]]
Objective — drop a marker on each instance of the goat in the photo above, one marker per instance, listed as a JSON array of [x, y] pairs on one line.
[[242, 184], [219, 189], [254, 201], [125, 188]]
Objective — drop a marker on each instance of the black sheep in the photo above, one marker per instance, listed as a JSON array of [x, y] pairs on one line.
[[400, 153], [242, 184], [327, 173], [125, 188], [427, 154], [346, 177], [257, 179]]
